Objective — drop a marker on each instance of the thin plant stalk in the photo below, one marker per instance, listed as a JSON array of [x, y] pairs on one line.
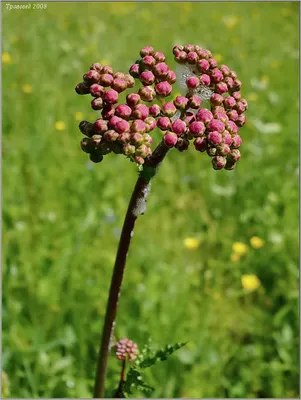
[[137, 206]]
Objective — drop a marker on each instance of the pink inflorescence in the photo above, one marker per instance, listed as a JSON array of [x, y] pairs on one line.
[[126, 348], [126, 128]]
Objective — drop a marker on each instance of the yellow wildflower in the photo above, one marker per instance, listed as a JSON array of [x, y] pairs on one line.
[[235, 257], [60, 125], [250, 282], [231, 21], [256, 242], [6, 58], [239, 248], [192, 243], [27, 88], [78, 116], [252, 96], [218, 57]]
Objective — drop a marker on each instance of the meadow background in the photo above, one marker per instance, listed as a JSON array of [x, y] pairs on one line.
[[214, 261]]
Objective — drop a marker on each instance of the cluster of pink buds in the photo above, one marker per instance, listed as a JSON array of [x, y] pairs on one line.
[[125, 128], [126, 348], [213, 130]]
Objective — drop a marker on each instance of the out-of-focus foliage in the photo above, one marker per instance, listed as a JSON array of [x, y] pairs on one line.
[[203, 279]]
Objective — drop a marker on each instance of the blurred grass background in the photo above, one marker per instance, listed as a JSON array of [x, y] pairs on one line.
[[194, 272]]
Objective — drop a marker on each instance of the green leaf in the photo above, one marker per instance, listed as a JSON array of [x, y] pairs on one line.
[[160, 355], [134, 380]]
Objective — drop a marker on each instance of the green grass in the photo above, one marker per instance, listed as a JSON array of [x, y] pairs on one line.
[[62, 216]]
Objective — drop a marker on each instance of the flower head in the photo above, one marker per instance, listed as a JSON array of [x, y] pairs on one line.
[[192, 243], [250, 282], [126, 348], [239, 248], [256, 242]]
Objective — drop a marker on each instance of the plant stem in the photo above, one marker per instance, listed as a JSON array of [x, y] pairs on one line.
[[136, 207]]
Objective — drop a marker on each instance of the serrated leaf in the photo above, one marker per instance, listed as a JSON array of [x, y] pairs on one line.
[[134, 380], [161, 355]]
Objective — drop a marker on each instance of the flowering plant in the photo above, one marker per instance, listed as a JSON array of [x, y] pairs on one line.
[[126, 129]]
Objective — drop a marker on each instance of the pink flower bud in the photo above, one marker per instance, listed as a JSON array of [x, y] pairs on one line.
[[171, 77], [100, 126], [148, 61], [237, 141], [225, 70], [154, 110], [128, 149], [227, 138], [204, 54], [215, 138], [108, 111], [181, 57], [163, 89], [113, 121], [107, 70], [212, 62], [240, 107], [106, 80], [194, 102], [122, 126], [203, 65], [192, 82], [170, 139], [147, 93], [179, 127], [96, 140], [205, 80], [216, 99], [200, 144], [130, 81], [97, 103], [134, 70], [236, 95], [229, 82], [138, 126], [181, 102], [233, 115], [233, 74], [142, 151], [196, 128], [237, 85], [221, 88], [230, 165], [223, 149], [189, 47], [147, 139], [163, 123], [169, 109], [96, 66], [176, 49], [139, 160], [229, 102], [147, 78], [231, 127], [159, 57], [150, 124], [140, 111], [119, 85], [124, 137], [234, 155], [216, 125], [96, 90], [219, 162], [241, 120], [161, 70], [146, 51], [216, 75], [136, 138], [119, 75], [192, 57], [111, 135], [92, 76], [222, 116], [133, 99], [111, 96], [123, 111], [204, 115]]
